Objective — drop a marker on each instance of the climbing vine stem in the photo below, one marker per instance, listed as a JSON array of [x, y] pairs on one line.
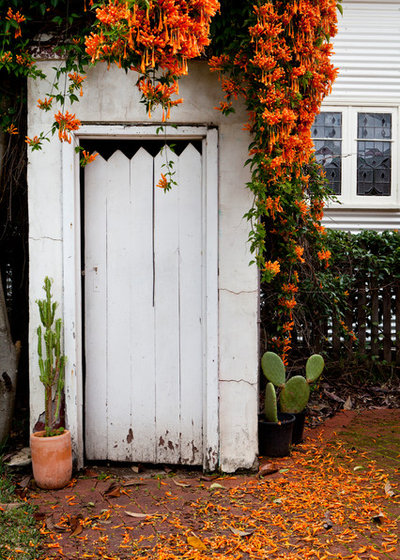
[[281, 68]]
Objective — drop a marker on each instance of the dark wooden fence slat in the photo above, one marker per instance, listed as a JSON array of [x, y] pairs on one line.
[[335, 336], [361, 317], [397, 321], [348, 340], [387, 327], [374, 316]]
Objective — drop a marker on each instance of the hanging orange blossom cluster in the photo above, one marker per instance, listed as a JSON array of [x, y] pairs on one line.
[[283, 72], [156, 38]]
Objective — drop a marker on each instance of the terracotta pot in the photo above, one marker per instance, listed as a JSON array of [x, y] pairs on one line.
[[51, 460]]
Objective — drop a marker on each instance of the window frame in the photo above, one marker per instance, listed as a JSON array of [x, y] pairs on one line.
[[349, 197]]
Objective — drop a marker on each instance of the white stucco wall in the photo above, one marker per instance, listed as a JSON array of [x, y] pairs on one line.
[[111, 97]]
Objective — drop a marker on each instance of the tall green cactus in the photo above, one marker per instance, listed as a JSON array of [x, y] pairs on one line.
[[52, 363], [295, 392]]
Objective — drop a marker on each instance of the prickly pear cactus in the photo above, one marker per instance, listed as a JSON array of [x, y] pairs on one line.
[[270, 409], [273, 368], [314, 366], [294, 395]]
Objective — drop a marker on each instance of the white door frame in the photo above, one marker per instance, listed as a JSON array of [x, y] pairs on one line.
[[72, 301]]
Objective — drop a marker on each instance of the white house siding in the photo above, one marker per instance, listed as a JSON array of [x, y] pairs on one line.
[[367, 54], [355, 220], [111, 97]]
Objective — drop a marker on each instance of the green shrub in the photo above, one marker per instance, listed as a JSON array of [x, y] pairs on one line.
[[19, 534], [328, 299]]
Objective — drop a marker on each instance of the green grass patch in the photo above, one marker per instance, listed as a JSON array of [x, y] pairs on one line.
[[19, 534]]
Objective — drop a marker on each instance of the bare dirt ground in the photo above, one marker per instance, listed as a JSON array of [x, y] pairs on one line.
[[337, 497]]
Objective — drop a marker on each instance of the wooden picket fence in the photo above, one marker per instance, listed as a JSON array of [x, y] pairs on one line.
[[373, 316]]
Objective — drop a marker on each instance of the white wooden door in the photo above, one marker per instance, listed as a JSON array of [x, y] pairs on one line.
[[143, 301]]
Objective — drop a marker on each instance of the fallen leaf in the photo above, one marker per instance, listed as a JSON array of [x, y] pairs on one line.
[[268, 468], [195, 542], [21, 492], [133, 483], [10, 505], [240, 533], [77, 531], [348, 405], [378, 518], [182, 484], [75, 525], [57, 527], [139, 515], [113, 491], [50, 524], [90, 473], [216, 485], [358, 468], [388, 490], [20, 459], [283, 470], [328, 522], [333, 396], [23, 483], [210, 477]]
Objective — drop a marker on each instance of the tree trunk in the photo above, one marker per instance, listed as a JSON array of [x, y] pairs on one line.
[[8, 371]]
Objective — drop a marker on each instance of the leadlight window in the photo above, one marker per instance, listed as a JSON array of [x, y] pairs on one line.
[[357, 148], [374, 154], [327, 135]]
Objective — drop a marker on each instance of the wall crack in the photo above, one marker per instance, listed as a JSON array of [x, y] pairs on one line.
[[44, 237], [252, 384], [238, 293]]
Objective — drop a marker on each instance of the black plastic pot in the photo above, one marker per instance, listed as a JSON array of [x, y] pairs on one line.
[[275, 438], [298, 427]]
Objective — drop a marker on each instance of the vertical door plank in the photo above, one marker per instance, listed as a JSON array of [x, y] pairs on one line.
[[119, 332], [142, 310], [210, 301], [190, 304], [166, 254], [96, 417]]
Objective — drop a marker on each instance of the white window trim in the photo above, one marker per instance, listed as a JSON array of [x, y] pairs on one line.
[[348, 199]]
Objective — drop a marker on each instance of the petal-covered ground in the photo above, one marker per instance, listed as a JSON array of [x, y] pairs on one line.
[[337, 497]]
